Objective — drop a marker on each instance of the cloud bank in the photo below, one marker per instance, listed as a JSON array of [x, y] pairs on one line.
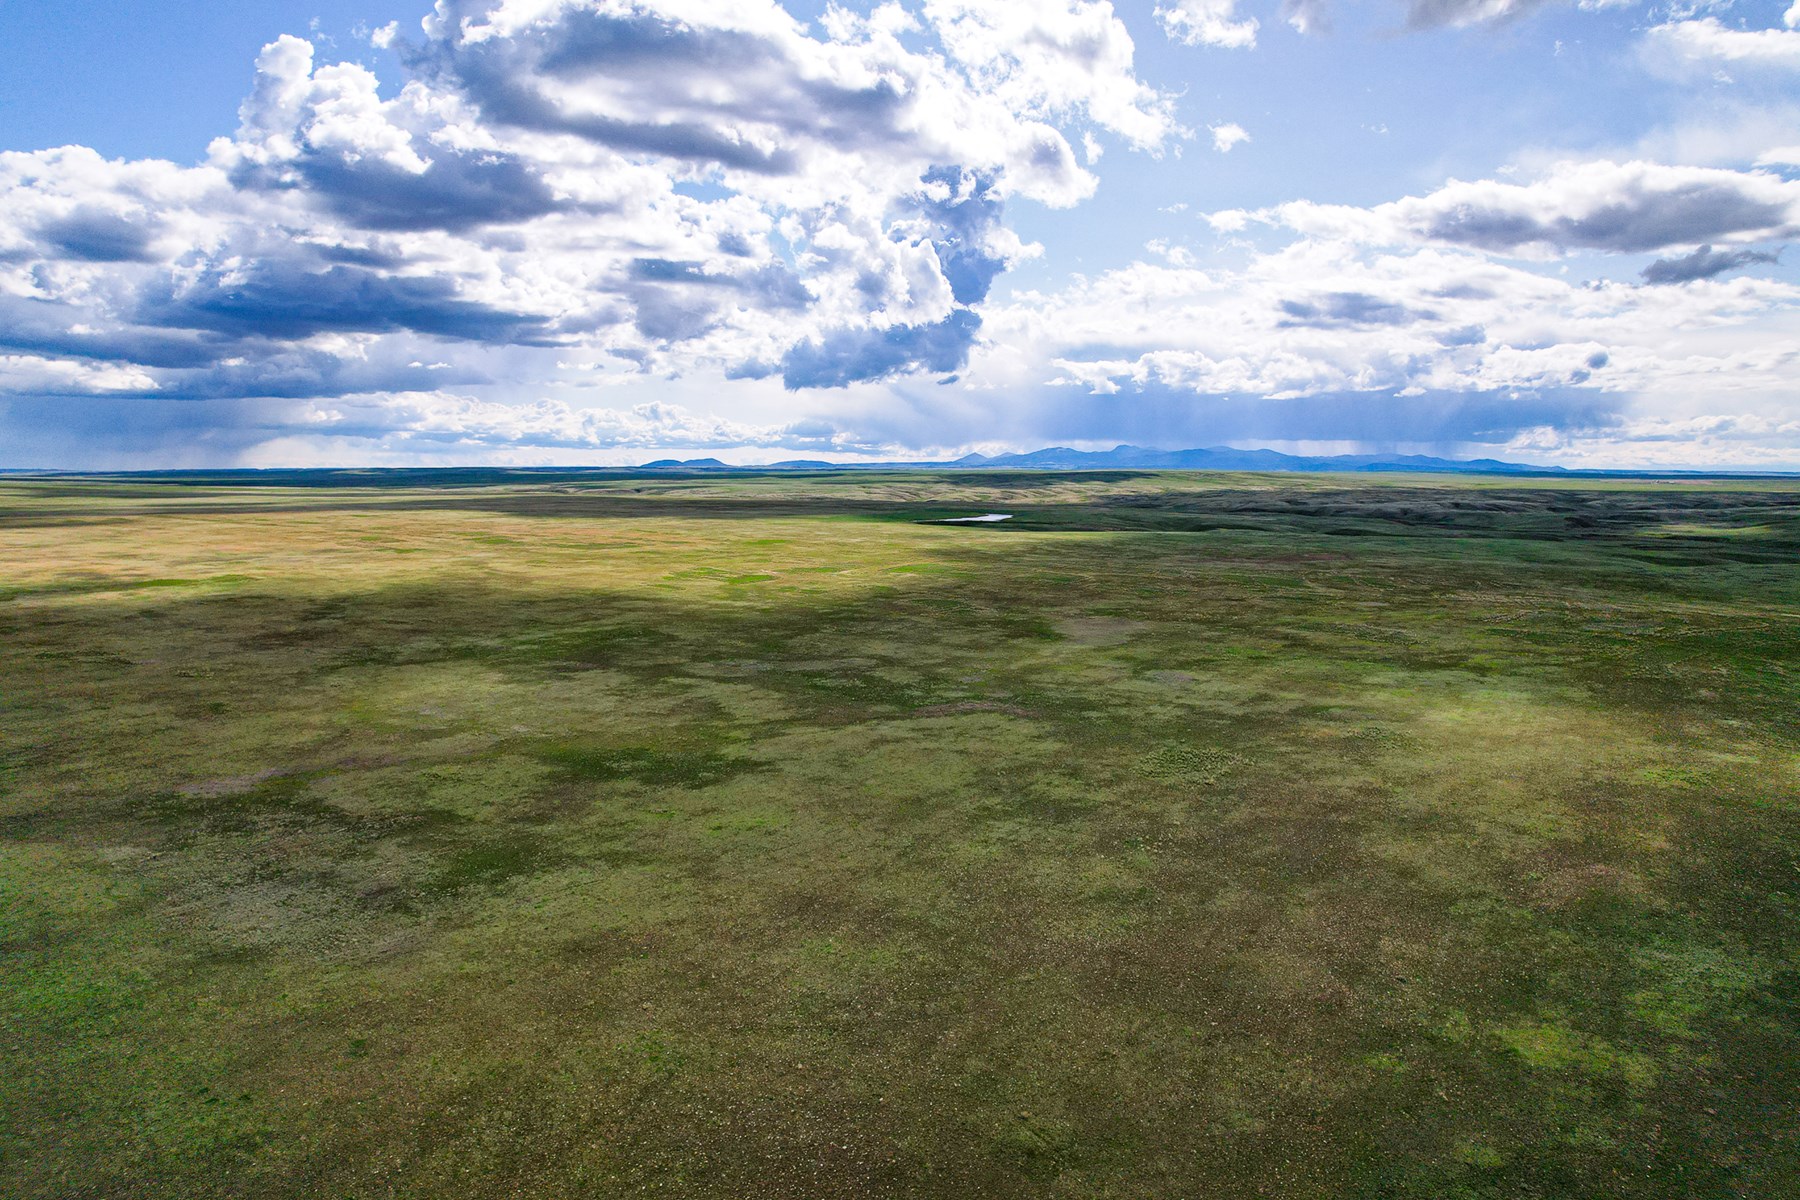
[[670, 184], [584, 227]]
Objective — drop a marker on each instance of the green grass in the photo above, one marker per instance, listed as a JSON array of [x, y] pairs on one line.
[[707, 836]]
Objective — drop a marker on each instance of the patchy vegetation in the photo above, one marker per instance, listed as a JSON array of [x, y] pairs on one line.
[[712, 836]]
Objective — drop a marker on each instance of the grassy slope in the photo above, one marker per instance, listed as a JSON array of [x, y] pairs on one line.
[[1208, 836]]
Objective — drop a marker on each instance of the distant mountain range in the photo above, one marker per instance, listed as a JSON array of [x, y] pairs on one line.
[[1215, 458]]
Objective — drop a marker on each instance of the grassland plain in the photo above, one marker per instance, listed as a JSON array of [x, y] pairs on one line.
[[1186, 836]]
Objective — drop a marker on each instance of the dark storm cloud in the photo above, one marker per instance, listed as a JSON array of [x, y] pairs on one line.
[[698, 95], [231, 332], [507, 77], [965, 220], [456, 192], [1349, 310], [95, 235], [298, 373], [283, 299], [1705, 263], [668, 315], [849, 356], [677, 300], [772, 285], [361, 256], [32, 326], [1638, 218]]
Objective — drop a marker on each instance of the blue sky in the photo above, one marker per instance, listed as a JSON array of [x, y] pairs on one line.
[[600, 231]]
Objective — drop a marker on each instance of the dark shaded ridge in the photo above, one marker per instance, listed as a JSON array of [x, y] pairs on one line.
[[1055, 459]]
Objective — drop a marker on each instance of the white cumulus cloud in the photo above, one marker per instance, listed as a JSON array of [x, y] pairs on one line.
[[1227, 135]]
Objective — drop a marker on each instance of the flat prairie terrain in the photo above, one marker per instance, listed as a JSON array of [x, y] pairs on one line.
[[1185, 836]]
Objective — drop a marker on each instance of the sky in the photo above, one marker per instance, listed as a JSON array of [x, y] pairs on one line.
[[536, 232]]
